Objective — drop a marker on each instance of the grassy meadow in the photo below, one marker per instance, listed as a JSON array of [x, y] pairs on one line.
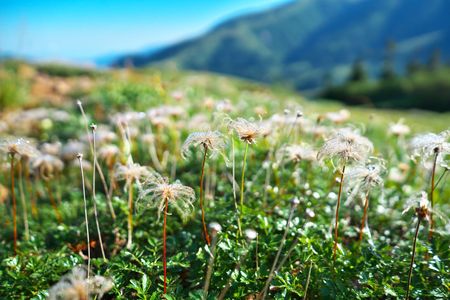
[[261, 223]]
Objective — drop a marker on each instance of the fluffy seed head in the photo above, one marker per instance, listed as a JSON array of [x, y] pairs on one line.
[[157, 189], [338, 117], [76, 286], [250, 234], [346, 144], [428, 144], [364, 177], [295, 201], [420, 204], [18, 146], [211, 140], [109, 154], [215, 227], [133, 172], [51, 148], [246, 130], [47, 166], [297, 153], [399, 129], [71, 149]]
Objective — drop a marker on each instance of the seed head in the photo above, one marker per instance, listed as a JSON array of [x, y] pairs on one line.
[[51, 148], [250, 234], [211, 140], [429, 144], [399, 129], [109, 154], [420, 204], [133, 172], [47, 165], [246, 130], [338, 117], [157, 189], [215, 227], [71, 149], [76, 286], [297, 153], [346, 144], [295, 201], [364, 177], [18, 146]]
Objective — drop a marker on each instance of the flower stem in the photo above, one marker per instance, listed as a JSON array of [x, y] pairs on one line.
[[130, 214], [308, 280], [94, 198], [166, 205], [234, 187], [412, 258], [210, 266], [243, 181], [205, 231], [30, 192], [14, 208], [363, 221], [23, 201], [52, 202], [338, 204], [433, 172], [85, 215], [277, 257], [97, 165]]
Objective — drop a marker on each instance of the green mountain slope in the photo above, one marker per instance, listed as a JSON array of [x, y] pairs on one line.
[[302, 41]]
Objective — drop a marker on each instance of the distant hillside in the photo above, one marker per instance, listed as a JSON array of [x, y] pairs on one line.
[[304, 41]]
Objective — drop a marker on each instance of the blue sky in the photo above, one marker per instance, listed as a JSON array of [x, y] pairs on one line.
[[79, 30]]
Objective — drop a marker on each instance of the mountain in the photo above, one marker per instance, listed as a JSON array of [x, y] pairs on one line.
[[302, 42], [109, 59]]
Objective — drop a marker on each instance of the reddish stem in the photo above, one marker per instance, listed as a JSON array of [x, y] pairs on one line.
[[205, 231], [14, 208], [363, 221], [164, 245], [336, 224], [52, 202]]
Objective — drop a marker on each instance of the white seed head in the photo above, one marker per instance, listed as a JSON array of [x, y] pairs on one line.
[[420, 204], [157, 189], [109, 153], [76, 286], [399, 129], [338, 117], [71, 149], [215, 227], [297, 153], [18, 146], [295, 201], [429, 144], [47, 165], [246, 130], [213, 141], [364, 177], [51, 148], [346, 144], [133, 171], [250, 234]]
